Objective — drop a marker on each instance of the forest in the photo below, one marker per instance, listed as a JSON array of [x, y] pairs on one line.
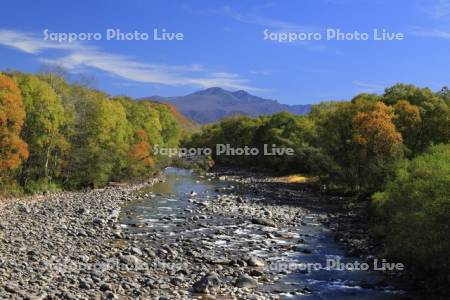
[[57, 135], [390, 150]]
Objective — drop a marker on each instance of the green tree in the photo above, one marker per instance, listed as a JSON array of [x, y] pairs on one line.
[[408, 121], [408, 92], [42, 129], [170, 129], [288, 131], [413, 212], [101, 143], [434, 110], [335, 138], [143, 115]]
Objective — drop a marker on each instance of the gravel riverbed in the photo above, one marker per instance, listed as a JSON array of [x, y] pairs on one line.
[[54, 246], [71, 245]]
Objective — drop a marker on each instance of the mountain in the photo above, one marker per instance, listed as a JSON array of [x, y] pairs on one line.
[[184, 122], [215, 103]]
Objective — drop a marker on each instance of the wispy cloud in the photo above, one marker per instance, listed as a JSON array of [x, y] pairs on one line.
[[437, 8], [254, 17], [433, 33], [78, 56], [257, 19], [262, 72], [27, 42], [365, 87]]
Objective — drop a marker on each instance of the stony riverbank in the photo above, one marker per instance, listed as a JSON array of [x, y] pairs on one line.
[[345, 216], [71, 246], [227, 246], [50, 245]]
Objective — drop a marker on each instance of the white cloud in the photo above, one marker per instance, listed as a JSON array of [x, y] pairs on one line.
[[27, 42], [78, 57]]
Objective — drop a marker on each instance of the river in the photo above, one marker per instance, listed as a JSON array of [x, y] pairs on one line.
[[170, 198]]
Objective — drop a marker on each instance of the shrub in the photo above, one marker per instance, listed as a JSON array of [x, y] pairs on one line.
[[39, 186]]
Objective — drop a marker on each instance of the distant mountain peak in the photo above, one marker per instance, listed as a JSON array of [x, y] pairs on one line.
[[212, 90], [240, 93], [215, 103]]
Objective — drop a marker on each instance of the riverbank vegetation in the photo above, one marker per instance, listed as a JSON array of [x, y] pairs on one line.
[[54, 134], [412, 214], [394, 146]]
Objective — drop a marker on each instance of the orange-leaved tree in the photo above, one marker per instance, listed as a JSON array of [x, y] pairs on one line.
[[378, 142], [13, 150], [139, 156]]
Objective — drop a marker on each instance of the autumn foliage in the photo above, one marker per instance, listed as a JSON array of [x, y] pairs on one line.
[[375, 132], [354, 145], [378, 143], [13, 150], [140, 156], [394, 146], [56, 135]]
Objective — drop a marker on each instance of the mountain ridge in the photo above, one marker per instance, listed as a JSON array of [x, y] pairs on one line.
[[215, 103]]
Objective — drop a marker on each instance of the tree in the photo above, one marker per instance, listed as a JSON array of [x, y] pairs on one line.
[[140, 161], [413, 213], [334, 137], [77, 136], [143, 115], [435, 126], [408, 122], [357, 141], [286, 130], [378, 144], [434, 113], [444, 93], [408, 92], [101, 141], [13, 150], [42, 129], [170, 129]]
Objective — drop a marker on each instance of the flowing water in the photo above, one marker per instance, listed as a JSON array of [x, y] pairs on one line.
[[170, 197]]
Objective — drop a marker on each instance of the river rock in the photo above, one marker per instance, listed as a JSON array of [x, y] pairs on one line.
[[135, 250], [264, 222], [131, 260], [207, 284], [256, 273], [255, 262], [10, 288], [245, 281]]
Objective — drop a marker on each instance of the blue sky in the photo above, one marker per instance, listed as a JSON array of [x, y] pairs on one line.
[[224, 45]]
